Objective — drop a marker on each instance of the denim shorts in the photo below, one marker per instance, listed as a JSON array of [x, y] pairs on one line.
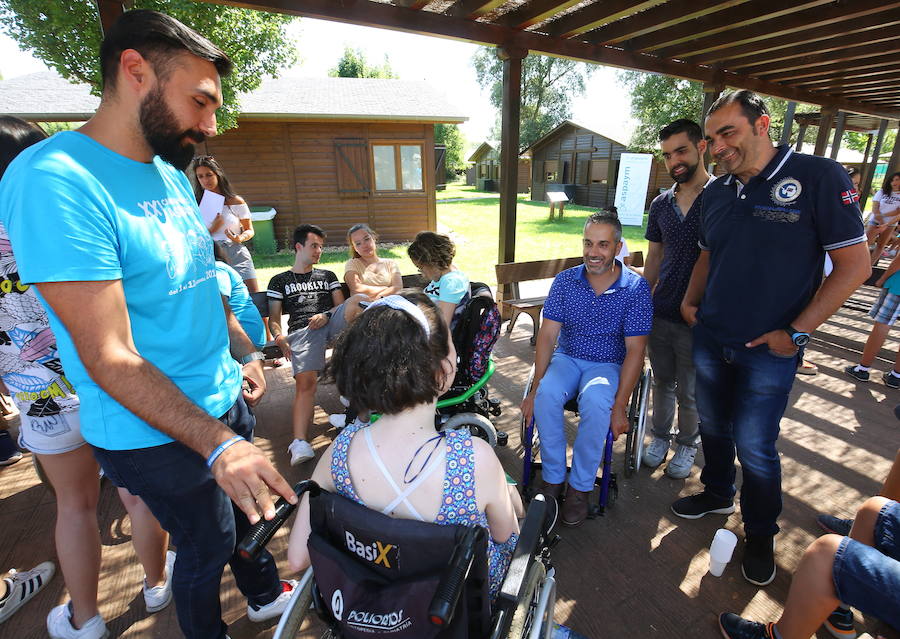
[[868, 578]]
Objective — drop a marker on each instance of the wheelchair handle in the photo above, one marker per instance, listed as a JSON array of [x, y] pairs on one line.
[[443, 604], [261, 532]]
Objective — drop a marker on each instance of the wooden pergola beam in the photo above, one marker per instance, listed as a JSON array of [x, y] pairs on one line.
[[594, 15], [825, 119], [412, 4], [818, 33], [509, 149], [803, 53], [775, 26], [869, 171], [386, 16], [872, 61], [668, 15], [109, 10], [535, 12], [842, 55], [472, 8], [729, 27], [839, 80]]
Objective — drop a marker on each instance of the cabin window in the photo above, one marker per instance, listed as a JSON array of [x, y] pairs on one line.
[[551, 171], [599, 171], [397, 167]]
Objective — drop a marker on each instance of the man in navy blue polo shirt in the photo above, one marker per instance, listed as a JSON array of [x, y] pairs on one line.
[[600, 314], [672, 230], [753, 299]]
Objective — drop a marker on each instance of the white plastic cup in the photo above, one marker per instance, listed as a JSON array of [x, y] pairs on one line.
[[720, 551]]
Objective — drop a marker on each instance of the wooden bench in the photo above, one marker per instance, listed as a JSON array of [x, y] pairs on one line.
[[510, 274]]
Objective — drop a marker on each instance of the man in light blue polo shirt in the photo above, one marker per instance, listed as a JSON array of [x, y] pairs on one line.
[[597, 316], [104, 222]]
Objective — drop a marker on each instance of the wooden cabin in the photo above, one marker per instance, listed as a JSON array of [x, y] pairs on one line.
[[486, 169], [578, 161], [328, 151], [337, 151]]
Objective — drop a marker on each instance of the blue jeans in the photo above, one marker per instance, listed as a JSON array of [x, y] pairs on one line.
[[205, 526], [741, 396], [595, 384]]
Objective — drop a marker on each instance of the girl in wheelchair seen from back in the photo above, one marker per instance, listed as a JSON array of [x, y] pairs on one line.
[[395, 361]]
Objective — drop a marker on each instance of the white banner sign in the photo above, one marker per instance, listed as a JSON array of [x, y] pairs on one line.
[[631, 190]]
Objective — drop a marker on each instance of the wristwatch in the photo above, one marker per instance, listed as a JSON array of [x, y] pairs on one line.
[[252, 357], [798, 337], [327, 314]]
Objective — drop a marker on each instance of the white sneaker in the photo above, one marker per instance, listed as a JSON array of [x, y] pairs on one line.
[[300, 451], [275, 608], [338, 420], [682, 461], [656, 452], [59, 625], [23, 586], [159, 597]]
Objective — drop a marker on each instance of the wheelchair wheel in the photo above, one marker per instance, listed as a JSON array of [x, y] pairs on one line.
[[477, 425], [523, 618], [637, 414], [299, 604]]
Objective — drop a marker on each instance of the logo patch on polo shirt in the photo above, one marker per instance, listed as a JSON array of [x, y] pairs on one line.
[[786, 191], [849, 197]]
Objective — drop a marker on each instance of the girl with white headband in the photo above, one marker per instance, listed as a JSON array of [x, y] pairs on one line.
[[396, 360]]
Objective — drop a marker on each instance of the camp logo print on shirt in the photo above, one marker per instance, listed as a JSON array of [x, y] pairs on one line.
[[786, 191]]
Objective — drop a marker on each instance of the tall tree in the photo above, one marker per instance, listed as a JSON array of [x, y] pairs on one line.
[[67, 35], [353, 64], [548, 86], [450, 136]]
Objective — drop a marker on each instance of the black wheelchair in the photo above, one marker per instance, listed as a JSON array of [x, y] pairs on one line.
[[376, 576], [634, 444]]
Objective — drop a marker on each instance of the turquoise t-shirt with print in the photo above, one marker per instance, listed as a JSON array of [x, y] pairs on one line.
[[232, 286], [77, 211]]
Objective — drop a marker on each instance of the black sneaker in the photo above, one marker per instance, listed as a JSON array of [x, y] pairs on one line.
[[735, 627], [891, 380], [857, 374], [758, 563], [695, 506], [840, 624], [834, 525], [9, 452]]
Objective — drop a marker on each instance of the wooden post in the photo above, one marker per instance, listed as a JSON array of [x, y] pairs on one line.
[[862, 167], [788, 123], [869, 171], [509, 149], [838, 134], [894, 163], [110, 10], [711, 93], [826, 117], [800, 135]]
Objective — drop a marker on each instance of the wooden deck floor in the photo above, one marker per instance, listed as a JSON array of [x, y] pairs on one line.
[[639, 572]]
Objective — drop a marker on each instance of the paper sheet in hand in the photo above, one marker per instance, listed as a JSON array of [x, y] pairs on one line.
[[210, 206]]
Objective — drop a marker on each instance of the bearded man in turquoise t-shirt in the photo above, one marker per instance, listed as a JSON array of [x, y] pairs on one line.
[[103, 221]]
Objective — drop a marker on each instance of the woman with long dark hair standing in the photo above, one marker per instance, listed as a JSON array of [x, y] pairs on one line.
[[232, 226]]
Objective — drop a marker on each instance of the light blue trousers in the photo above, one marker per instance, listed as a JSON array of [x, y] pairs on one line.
[[595, 385]]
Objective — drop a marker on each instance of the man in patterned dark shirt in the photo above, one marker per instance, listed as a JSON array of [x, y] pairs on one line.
[[672, 230]]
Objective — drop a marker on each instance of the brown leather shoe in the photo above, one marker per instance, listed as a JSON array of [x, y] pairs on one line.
[[575, 507], [551, 491]]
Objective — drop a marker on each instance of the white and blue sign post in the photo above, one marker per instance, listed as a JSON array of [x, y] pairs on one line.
[[631, 189]]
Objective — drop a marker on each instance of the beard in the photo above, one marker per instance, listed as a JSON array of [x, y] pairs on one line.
[[168, 142], [686, 176]]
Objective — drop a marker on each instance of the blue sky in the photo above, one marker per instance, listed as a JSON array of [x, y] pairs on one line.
[[605, 106]]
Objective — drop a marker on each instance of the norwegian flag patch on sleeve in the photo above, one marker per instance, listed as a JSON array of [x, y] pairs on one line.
[[849, 197]]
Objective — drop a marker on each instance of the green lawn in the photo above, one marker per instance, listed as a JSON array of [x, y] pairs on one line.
[[475, 228], [459, 189]]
